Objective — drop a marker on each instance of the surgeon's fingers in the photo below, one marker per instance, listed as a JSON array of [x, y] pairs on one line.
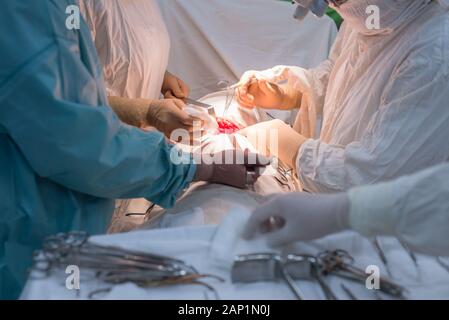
[[267, 88], [245, 82], [260, 217], [179, 103], [245, 86], [245, 99], [186, 119], [184, 88]]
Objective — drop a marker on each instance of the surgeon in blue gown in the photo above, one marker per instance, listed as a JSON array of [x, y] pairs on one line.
[[64, 155]]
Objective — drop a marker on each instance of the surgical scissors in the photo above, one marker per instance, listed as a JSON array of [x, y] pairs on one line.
[[115, 265], [341, 264]]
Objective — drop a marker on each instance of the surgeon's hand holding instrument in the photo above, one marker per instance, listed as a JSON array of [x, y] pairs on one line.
[[209, 108], [341, 264]]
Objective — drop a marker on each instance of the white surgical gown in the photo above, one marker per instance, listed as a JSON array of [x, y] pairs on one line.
[[132, 43], [64, 155], [382, 100], [415, 209]]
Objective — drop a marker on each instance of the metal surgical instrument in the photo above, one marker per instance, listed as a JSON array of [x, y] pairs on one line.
[[263, 267], [341, 264], [209, 108]]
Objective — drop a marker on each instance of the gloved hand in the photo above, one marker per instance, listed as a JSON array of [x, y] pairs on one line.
[[299, 217], [232, 169], [173, 87], [288, 141], [258, 92], [168, 115]]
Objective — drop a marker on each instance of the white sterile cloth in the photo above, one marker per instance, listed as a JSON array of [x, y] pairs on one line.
[[211, 250]]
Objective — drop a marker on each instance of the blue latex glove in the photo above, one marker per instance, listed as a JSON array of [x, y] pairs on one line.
[[318, 8]]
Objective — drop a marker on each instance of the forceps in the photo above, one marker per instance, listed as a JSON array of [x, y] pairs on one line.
[[341, 264], [115, 265]]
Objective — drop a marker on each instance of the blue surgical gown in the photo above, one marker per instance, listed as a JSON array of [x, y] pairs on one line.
[[64, 155]]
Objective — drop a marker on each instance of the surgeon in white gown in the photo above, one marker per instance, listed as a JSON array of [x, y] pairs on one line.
[[381, 97], [414, 209], [133, 45]]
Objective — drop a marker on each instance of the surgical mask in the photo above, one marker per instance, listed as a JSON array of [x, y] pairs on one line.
[[377, 17]]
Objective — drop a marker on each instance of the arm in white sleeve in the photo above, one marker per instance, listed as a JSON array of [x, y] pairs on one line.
[[50, 109], [408, 133], [415, 209]]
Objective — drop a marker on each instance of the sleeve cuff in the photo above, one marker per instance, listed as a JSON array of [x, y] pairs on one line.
[[320, 168], [187, 169]]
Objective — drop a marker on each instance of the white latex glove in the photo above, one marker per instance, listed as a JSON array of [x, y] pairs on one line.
[[299, 217]]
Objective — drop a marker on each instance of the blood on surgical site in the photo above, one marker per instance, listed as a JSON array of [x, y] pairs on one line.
[[226, 126]]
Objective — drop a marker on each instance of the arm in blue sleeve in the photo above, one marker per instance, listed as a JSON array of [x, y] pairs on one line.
[[50, 109]]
